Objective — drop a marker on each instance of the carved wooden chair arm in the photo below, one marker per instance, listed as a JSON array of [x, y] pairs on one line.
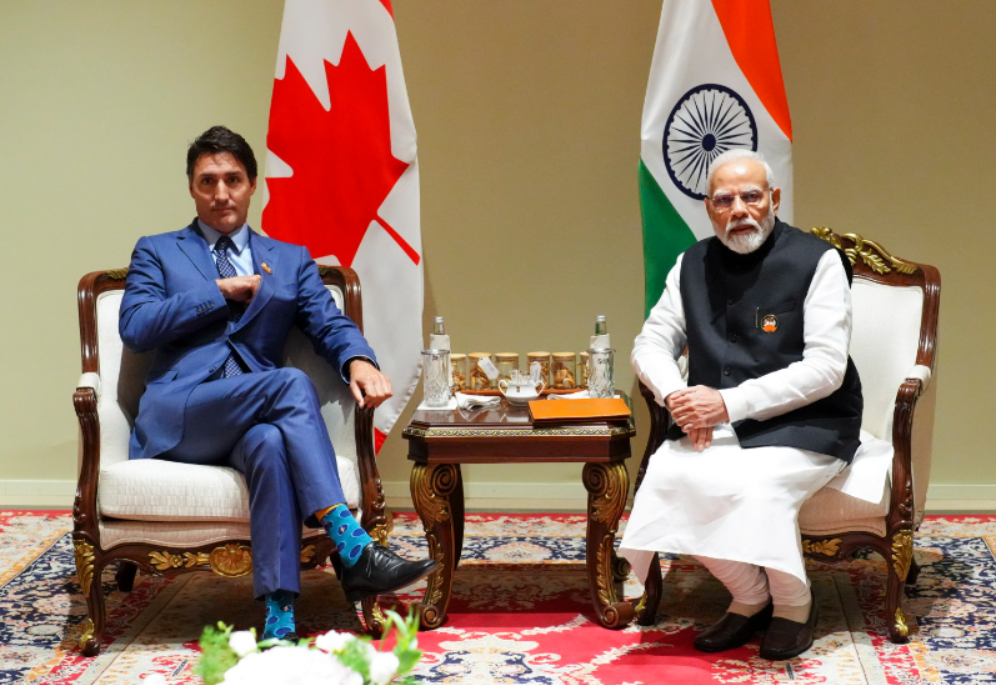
[[85, 506], [902, 460], [373, 508]]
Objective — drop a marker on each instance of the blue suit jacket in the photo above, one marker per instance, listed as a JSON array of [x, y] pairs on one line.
[[173, 305]]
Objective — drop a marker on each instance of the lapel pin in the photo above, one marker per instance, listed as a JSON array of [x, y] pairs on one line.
[[266, 267], [769, 324]]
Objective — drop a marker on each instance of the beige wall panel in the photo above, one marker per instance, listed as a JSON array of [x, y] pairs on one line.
[[893, 110], [98, 102], [528, 117]]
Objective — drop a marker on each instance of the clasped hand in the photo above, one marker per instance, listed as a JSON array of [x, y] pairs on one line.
[[697, 410], [239, 288]]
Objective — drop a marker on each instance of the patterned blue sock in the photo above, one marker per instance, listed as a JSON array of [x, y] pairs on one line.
[[279, 614], [346, 533]]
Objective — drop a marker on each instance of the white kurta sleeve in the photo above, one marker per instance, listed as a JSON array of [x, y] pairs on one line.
[[827, 338], [662, 340]]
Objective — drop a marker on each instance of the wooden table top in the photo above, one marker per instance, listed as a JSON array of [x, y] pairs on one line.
[[504, 418]]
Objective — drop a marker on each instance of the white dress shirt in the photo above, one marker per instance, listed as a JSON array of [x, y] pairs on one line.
[[241, 256], [827, 336]]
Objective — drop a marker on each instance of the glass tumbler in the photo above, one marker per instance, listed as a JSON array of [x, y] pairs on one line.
[[436, 370], [600, 373]]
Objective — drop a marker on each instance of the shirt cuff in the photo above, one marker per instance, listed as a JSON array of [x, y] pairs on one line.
[[736, 403]]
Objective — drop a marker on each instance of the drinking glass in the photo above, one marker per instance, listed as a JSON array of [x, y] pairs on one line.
[[436, 370], [600, 373]]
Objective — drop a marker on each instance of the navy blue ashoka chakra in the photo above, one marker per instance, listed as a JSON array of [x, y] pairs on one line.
[[708, 120]]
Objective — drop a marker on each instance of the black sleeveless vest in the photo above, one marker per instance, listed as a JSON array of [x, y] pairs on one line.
[[744, 319]]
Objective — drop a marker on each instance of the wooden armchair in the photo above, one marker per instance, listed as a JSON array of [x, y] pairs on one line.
[[893, 345], [170, 518]]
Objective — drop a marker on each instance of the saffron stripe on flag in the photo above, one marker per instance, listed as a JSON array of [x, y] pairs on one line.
[[750, 31]]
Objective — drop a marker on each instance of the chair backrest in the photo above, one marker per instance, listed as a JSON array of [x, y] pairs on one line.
[[893, 329], [122, 372], [896, 308], [884, 343]]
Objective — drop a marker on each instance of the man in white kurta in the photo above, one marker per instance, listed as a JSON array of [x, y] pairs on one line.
[[735, 506]]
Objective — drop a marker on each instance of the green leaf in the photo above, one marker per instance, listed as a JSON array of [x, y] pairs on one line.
[[355, 656], [216, 655]]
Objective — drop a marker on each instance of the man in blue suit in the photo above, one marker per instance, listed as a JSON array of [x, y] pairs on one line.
[[216, 301]]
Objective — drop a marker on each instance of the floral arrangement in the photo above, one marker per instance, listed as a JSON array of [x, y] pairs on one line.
[[236, 658]]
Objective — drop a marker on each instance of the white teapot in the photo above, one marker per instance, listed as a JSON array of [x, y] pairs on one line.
[[520, 388]]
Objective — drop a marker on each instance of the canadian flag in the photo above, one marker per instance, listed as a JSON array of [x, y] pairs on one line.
[[341, 171]]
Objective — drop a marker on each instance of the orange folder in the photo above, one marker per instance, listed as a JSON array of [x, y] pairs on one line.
[[580, 410]]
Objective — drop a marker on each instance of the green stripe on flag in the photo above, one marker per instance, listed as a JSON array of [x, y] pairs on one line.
[[665, 236]]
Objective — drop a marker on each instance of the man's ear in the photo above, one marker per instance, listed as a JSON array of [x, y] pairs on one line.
[[252, 187], [776, 199]]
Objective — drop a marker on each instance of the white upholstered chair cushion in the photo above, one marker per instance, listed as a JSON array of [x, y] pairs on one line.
[[830, 511], [157, 490], [115, 532]]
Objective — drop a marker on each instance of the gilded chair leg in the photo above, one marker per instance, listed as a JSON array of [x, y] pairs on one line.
[[373, 617], [913, 574], [125, 576], [646, 608], [88, 570], [899, 631]]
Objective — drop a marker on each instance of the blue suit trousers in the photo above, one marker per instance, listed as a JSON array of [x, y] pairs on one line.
[[268, 426]]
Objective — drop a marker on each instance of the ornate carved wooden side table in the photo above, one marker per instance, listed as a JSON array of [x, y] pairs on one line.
[[439, 441]]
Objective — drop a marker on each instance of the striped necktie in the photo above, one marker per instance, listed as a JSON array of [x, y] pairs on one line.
[[235, 309]]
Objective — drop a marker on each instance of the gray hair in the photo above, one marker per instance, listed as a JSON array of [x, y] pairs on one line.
[[739, 153]]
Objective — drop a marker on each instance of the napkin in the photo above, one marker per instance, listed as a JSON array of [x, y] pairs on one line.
[[462, 401]]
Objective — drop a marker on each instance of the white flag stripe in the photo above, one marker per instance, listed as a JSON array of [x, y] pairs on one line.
[[314, 32], [692, 51]]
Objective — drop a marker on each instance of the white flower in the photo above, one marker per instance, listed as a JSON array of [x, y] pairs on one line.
[[154, 679], [242, 642], [291, 666], [333, 642], [383, 667]]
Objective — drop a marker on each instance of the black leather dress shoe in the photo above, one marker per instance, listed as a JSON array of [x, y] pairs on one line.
[[732, 631], [379, 571], [787, 639], [289, 637]]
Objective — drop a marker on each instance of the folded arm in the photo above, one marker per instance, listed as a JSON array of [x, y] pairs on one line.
[[149, 317]]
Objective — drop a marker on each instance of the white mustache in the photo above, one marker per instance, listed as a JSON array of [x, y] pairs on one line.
[[734, 224]]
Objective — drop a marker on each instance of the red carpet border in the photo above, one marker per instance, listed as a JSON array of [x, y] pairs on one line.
[[520, 613]]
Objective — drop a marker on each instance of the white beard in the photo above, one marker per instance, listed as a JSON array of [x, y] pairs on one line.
[[748, 242]]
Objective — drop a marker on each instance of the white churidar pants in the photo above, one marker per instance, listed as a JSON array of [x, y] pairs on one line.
[[729, 504]]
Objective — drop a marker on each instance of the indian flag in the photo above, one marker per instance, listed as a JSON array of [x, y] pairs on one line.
[[715, 84]]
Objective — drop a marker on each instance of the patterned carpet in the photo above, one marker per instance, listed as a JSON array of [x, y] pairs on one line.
[[520, 614]]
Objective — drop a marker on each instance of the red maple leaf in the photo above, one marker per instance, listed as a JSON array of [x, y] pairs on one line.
[[341, 159]]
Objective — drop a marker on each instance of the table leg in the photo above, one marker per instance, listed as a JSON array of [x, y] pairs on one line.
[[607, 486], [432, 486], [457, 510]]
